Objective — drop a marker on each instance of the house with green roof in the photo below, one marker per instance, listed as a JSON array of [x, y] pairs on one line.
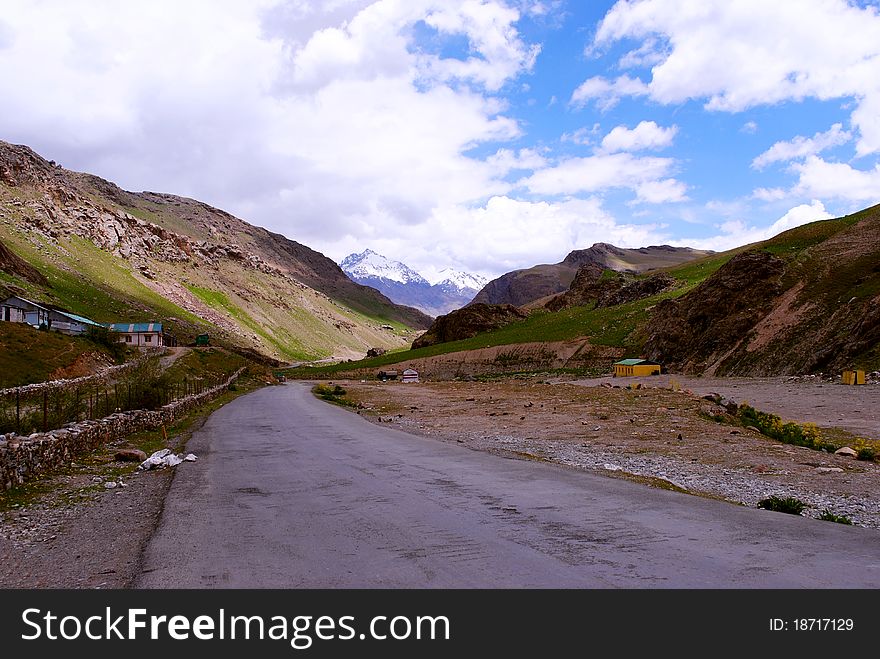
[[633, 367], [139, 335]]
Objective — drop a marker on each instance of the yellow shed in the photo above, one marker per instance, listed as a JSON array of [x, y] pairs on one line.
[[854, 377], [632, 367]]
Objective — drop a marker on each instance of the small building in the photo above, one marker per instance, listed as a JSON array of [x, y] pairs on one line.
[[203, 340], [633, 367], [69, 323], [410, 375], [20, 310], [386, 375], [853, 377], [140, 335], [10, 312]]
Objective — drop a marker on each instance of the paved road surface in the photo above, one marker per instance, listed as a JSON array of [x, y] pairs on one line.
[[292, 492]]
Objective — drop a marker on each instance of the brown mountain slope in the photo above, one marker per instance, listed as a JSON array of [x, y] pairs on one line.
[[113, 255], [467, 322], [210, 230], [522, 287], [807, 300]]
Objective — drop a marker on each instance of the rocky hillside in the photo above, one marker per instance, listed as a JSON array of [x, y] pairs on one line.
[[149, 256], [807, 300], [601, 287], [522, 287], [469, 321], [406, 286]]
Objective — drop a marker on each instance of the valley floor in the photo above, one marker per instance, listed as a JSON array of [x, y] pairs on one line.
[[654, 434]]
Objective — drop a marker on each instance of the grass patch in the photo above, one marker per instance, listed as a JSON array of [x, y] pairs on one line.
[[772, 426], [332, 393], [828, 516], [790, 505]]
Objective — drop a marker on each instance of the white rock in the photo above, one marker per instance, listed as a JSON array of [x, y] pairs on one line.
[[191, 457], [846, 450], [612, 467], [110, 485], [828, 470]]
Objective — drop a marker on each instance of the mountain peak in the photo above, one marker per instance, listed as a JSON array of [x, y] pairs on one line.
[[370, 264], [447, 290]]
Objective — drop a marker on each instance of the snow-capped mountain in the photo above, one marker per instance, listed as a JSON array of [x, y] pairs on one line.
[[448, 290], [456, 279], [368, 264]]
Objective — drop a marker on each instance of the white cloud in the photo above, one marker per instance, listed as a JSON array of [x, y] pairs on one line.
[[749, 128], [581, 136], [319, 120], [607, 93], [506, 160], [770, 194], [600, 172], [735, 233], [490, 239], [750, 53], [801, 147], [647, 135], [819, 178], [661, 192]]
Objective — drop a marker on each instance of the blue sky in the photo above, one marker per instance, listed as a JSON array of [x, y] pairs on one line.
[[483, 135]]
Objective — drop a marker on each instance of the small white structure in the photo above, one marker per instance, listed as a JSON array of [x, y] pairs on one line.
[[17, 309], [69, 323], [410, 375], [141, 335], [11, 313]]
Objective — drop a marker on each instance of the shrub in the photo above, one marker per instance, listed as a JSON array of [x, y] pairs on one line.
[[866, 453], [332, 394], [789, 505], [828, 516], [807, 435]]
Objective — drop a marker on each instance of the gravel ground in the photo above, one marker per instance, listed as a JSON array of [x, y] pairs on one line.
[[651, 434], [81, 534]]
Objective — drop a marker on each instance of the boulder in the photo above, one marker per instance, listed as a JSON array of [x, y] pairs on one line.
[[847, 451], [130, 455]]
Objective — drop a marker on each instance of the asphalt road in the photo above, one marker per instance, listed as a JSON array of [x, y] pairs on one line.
[[292, 492]]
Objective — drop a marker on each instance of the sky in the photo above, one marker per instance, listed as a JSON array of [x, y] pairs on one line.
[[482, 135]]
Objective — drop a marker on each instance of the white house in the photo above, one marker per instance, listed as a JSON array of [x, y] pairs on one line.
[[141, 335], [69, 323], [410, 375], [20, 310]]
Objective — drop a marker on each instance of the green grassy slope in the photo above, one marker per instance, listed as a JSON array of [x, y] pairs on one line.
[[28, 355]]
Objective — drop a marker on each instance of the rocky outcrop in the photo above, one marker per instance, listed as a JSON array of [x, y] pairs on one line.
[[638, 290], [469, 321], [701, 328], [12, 264], [595, 285]]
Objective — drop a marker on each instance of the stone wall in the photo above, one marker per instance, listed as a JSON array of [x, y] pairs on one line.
[[22, 458], [105, 375]]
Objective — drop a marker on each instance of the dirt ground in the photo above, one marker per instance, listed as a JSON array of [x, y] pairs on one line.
[[73, 532], [652, 434]]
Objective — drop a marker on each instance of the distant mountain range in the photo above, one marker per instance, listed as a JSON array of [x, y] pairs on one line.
[[451, 289]]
